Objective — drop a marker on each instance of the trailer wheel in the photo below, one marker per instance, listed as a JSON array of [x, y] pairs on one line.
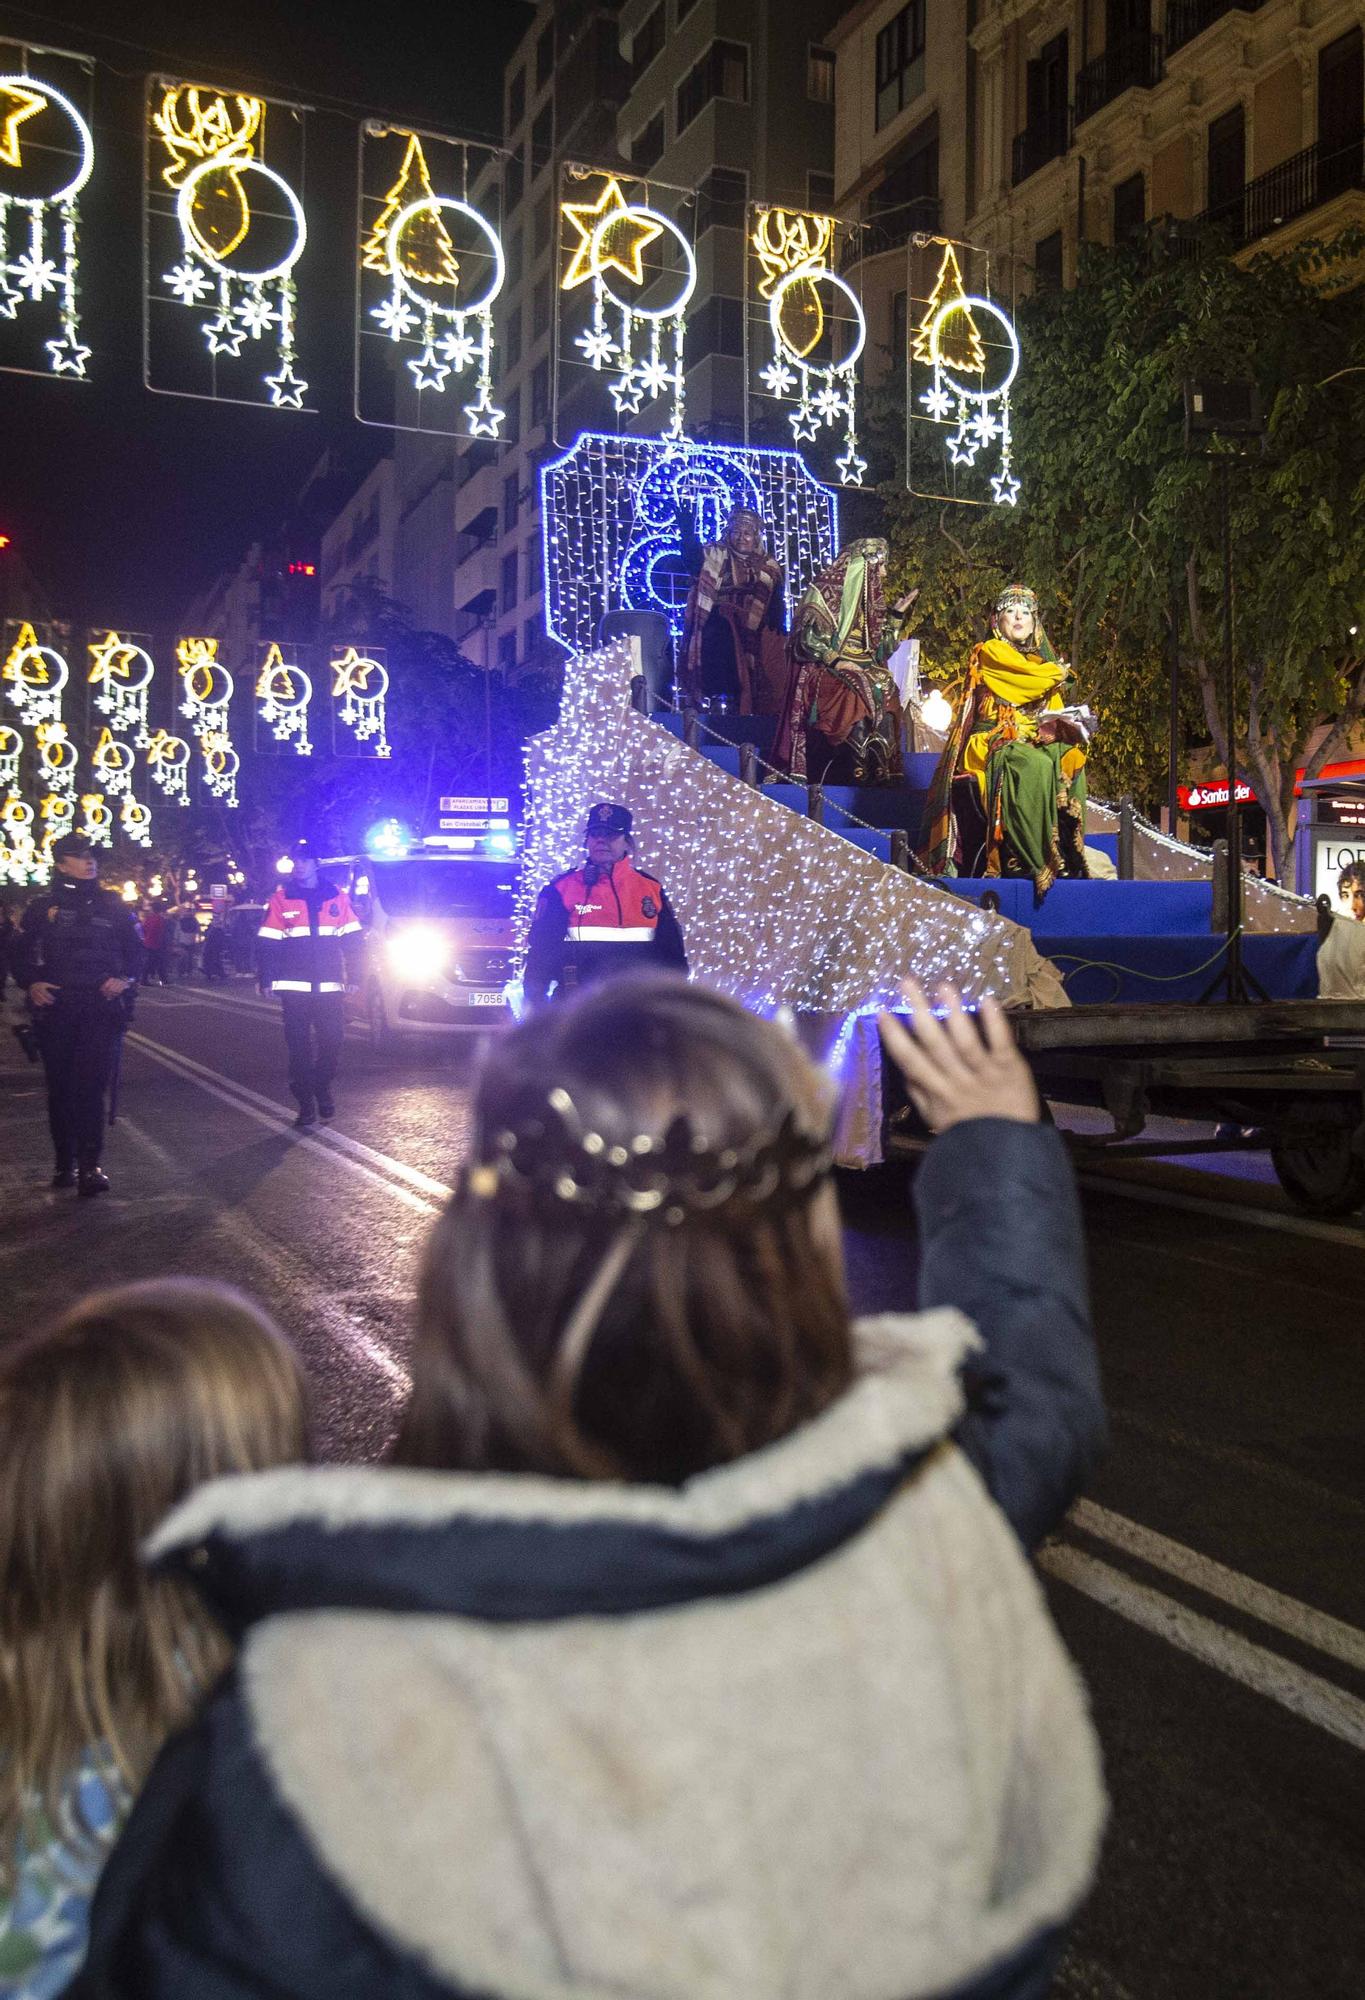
[[1318, 1167]]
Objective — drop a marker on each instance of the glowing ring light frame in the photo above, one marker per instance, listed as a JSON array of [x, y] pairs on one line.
[[817, 274], [66, 355], [209, 667], [114, 757], [184, 205], [432, 205], [831, 404], [35, 702], [160, 753], [299, 700], [963, 449], [129, 685]]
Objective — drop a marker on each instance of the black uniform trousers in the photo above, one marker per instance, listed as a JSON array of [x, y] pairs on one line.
[[78, 1038], [314, 1024]]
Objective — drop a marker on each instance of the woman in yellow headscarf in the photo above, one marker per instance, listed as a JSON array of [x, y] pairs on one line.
[[1028, 772]]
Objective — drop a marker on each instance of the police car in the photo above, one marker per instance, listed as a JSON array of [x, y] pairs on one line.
[[438, 920]]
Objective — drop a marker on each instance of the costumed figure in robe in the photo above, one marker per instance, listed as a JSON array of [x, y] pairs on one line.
[[1008, 797], [842, 721], [733, 653]]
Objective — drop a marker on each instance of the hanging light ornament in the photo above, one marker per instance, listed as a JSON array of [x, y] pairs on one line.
[[793, 250], [19, 861], [135, 821], [360, 687], [206, 704], [214, 140], [431, 298], [113, 762], [36, 675], [168, 759], [283, 692], [11, 750], [58, 758], [612, 234], [97, 820], [961, 393], [42, 137], [123, 674]]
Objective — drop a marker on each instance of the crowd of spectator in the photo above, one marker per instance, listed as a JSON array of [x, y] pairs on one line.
[[687, 1644]]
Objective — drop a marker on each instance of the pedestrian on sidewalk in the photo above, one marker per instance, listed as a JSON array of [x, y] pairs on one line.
[[154, 944], [690, 1648], [107, 1420], [78, 957], [309, 950]]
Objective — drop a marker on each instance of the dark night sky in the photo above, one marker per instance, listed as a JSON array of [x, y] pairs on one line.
[[123, 502]]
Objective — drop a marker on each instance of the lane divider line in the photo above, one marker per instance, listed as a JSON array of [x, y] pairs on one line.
[[276, 1119], [1228, 1211], [1289, 1615], [1295, 1688]]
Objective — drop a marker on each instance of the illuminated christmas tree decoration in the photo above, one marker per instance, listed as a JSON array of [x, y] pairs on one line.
[[168, 760], [443, 268], [960, 340], [135, 821], [212, 145], [611, 537], [283, 692], [97, 820], [123, 674], [816, 326], [113, 762], [57, 815], [604, 242], [36, 676], [46, 156], [980, 410], [360, 688]]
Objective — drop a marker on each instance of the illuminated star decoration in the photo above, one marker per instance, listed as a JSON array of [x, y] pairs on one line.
[[212, 154], [122, 673], [360, 686], [604, 241], [47, 266], [970, 391], [438, 299], [168, 759]]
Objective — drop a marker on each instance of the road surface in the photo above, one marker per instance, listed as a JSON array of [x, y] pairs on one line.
[[1210, 1585]]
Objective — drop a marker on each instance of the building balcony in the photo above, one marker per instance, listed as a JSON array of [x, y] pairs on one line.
[[1297, 186], [1187, 18], [1132, 63], [1035, 146], [476, 577], [891, 229]]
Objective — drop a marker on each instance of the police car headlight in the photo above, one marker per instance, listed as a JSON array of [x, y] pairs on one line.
[[418, 953]]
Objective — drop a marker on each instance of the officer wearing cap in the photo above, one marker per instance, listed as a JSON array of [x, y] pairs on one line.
[[308, 951], [607, 916], [78, 955]]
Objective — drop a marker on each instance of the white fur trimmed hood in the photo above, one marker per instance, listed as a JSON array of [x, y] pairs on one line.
[[800, 1729]]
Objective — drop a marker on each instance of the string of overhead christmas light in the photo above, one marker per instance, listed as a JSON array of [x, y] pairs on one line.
[[793, 250], [604, 243]]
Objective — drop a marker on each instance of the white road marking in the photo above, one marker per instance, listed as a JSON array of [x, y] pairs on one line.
[[344, 1330], [1230, 1211], [1287, 1614], [377, 1168], [1304, 1694], [245, 1003]]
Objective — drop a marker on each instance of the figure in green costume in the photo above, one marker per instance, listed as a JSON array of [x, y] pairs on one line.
[[842, 722]]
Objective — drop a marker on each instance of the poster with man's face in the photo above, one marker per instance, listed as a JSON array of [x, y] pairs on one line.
[[1332, 856]]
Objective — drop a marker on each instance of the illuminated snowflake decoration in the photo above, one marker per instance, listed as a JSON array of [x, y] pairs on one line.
[[395, 316], [189, 282]]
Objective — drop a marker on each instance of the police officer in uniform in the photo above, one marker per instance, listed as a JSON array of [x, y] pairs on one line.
[[78, 955], [309, 951], [607, 916]]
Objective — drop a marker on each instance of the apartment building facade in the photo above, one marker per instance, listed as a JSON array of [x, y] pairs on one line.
[[1040, 125]]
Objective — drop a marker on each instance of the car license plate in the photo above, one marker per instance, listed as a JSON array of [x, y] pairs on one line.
[[486, 999]]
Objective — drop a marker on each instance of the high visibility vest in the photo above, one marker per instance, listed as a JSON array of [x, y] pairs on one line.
[[621, 907], [295, 957]]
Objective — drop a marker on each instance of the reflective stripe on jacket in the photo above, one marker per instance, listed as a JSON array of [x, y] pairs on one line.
[[309, 950], [619, 921]]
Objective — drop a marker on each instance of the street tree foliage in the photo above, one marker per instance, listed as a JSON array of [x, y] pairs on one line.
[[1118, 524]]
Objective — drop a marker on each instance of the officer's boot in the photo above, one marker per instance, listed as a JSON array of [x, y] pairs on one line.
[[91, 1178], [64, 1174]]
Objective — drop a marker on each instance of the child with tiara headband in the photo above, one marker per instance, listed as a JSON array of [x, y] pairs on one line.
[[690, 1649], [1008, 797]]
